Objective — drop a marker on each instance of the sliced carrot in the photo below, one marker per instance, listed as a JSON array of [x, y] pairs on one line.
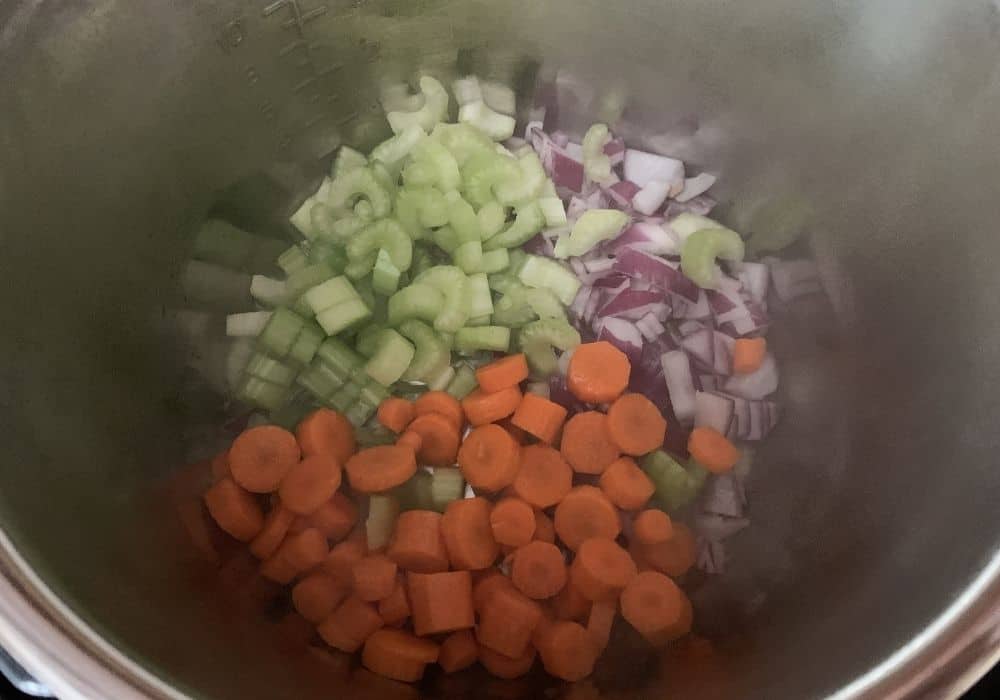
[[235, 510], [350, 625], [396, 413], [339, 563], [459, 650], [674, 557], [544, 477], [571, 604], [335, 518], [507, 622], [441, 602], [439, 439], [381, 468], [587, 444], [599, 623], [567, 651], [417, 544], [468, 534], [443, 403], [712, 450], [261, 457], [538, 570], [482, 408], [540, 417], [626, 485], [652, 527], [513, 522], [276, 526], [317, 595], [748, 355], [220, 466], [486, 586], [299, 552], [586, 513], [395, 609], [310, 483], [410, 440], [545, 529], [328, 432], [636, 425], [398, 655], [542, 628], [489, 458], [505, 667], [601, 569], [374, 578], [598, 372], [503, 373], [656, 608]]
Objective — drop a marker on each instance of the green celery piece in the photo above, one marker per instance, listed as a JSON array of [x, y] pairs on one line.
[[367, 294], [364, 210], [308, 277], [463, 141], [262, 393], [327, 295], [385, 275], [549, 274], [367, 339], [440, 381], [496, 338], [490, 262], [344, 229], [528, 222], [700, 250], [359, 413], [463, 383], [432, 354], [420, 301], [306, 345], [381, 521], [271, 370], [323, 250], [554, 212], [345, 397], [343, 316], [447, 485], [359, 268], [446, 239], [419, 208], [373, 437], [419, 174], [445, 174], [528, 186], [593, 228], [486, 171], [435, 108], [340, 356], [386, 176], [462, 218], [778, 224], [521, 305], [481, 321], [360, 182], [396, 149], [686, 224], [538, 339], [268, 291], [387, 234], [469, 256], [373, 393], [479, 300], [415, 494], [347, 159], [676, 486], [321, 380], [596, 165], [498, 127], [503, 281], [281, 332], [451, 282], [492, 218], [322, 220], [293, 260]]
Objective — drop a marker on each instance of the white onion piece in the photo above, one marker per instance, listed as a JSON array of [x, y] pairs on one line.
[[498, 96], [756, 385], [642, 168], [680, 384], [713, 411], [651, 197], [700, 345], [467, 90], [723, 356], [246, 325], [722, 497], [694, 186]]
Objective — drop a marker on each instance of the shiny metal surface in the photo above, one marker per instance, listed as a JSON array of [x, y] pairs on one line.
[[871, 570]]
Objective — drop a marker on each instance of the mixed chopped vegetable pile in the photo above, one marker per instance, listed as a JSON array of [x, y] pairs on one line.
[[505, 391]]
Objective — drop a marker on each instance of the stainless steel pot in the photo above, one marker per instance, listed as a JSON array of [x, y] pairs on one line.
[[871, 569]]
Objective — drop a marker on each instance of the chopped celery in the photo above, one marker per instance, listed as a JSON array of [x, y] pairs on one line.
[[499, 96], [364, 210], [462, 218], [493, 261], [387, 234], [262, 393], [367, 339], [381, 521], [469, 256], [549, 274], [462, 140], [271, 370], [444, 170], [418, 174], [521, 305], [367, 294], [302, 218], [528, 222], [327, 295], [446, 239], [306, 278], [247, 325], [512, 315], [451, 282], [422, 260], [502, 282], [416, 301], [325, 251], [360, 182], [431, 355], [594, 227], [486, 171], [687, 223], [321, 380], [359, 413], [373, 437], [676, 486], [777, 224], [526, 187], [293, 260], [467, 90], [343, 229], [492, 218], [359, 268], [479, 300], [385, 275], [373, 393], [538, 339], [345, 397], [415, 494], [440, 381], [348, 159], [553, 211], [419, 208], [398, 147], [596, 165], [700, 250], [434, 110], [447, 485], [463, 383], [306, 345], [498, 127], [281, 332], [481, 321], [221, 243], [343, 316], [339, 356], [495, 338], [323, 218]]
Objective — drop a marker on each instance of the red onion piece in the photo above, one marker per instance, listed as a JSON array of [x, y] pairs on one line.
[[695, 186], [623, 335], [680, 384], [642, 168], [658, 272], [650, 326], [756, 385], [621, 193], [713, 411], [650, 198]]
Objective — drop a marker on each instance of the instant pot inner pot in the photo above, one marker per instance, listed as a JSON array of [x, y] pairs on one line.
[[122, 124]]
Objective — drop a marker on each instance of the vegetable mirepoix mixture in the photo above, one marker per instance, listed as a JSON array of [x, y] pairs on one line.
[[505, 391]]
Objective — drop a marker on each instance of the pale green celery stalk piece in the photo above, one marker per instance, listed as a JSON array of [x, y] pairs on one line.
[[359, 268], [686, 224], [444, 167], [393, 355], [302, 218], [387, 234], [271, 370], [528, 186], [341, 357], [419, 174], [432, 353], [484, 172], [441, 380], [293, 260], [466, 90], [396, 149], [262, 393], [446, 239], [387, 177], [451, 282], [420, 301], [321, 380], [479, 300], [492, 218], [553, 211], [306, 278], [462, 218], [268, 291], [447, 485], [345, 229], [493, 261], [469, 256], [360, 413], [676, 485], [360, 182], [330, 293], [593, 228], [347, 159], [596, 165], [527, 223], [701, 249], [463, 383], [498, 127], [538, 339], [343, 316], [364, 210], [367, 339], [382, 513], [496, 338], [482, 321], [435, 108], [550, 274], [463, 141], [385, 274], [525, 304], [420, 208]]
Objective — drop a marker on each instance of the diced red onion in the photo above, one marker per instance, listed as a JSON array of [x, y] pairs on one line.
[[702, 206], [615, 151], [621, 193], [623, 335], [633, 304], [642, 168], [599, 264], [680, 384], [741, 418], [650, 198], [700, 345], [695, 186], [723, 353], [578, 308], [709, 382], [560, 138], [755, 277], [649, 238], [650, 326], [693, 309], [565, 170], [756, 385], [713, 411], [657, 271]]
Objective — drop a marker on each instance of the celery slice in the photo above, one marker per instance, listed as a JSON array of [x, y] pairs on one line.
[[596, 165], [528, 222], [307, 277], [293, 260], [498, 127], [526, 187], [420, 301], [432, 354], [338, 355], [321, 380], [444, 170], [360, 183], [381, 521], [373, 394], [451, 282], [359, 413], [440, 381], [434, 110], [676, 485], [268, 291], [484, 172], [385, 275], [367, 339], [479, 300], [327, 295], [701, 249], [348, 159], [492, 218], [538, 339], [549, 274], [345, 397], [446, 239], [359, 268], [281, 332], [387, 234], [306, 345], [469, 256], [463, 141], [593, 228], [553, 211], [463, 383], [496, 338], [262, 393], [462, 218], [271, 370], [397, 148], [447, 485], [419, 208], [343, 316], [493, 261]]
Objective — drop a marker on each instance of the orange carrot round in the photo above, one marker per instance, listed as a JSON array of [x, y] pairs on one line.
[[503, 373], [410, 440], [335, 518], [398, 655], [507, 622], [458, 651], [439, 439], [276, 526], [712, 450], [381, 468], [489, 458], [328, 432], [482, 408], [441, 602], [601, 569], [656, 608], [417, 544], [513, 522], [570, 603], [486, 586], [374, 578], [317, 595], [598, 372], [507, 667], [261, 457], [396, 413], [748, 355], [567, 651], [443, 403], [538, 570], [339, 563], [587, 444], [395, 608], [585, 513], [545, 529], [652, 527], [540, 417], [676, 556], [299, 552], [468, 534], [544, 478], [600, 622], [310, 483], [636, 425], [235, 510], [626, 485], [350, 625]]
